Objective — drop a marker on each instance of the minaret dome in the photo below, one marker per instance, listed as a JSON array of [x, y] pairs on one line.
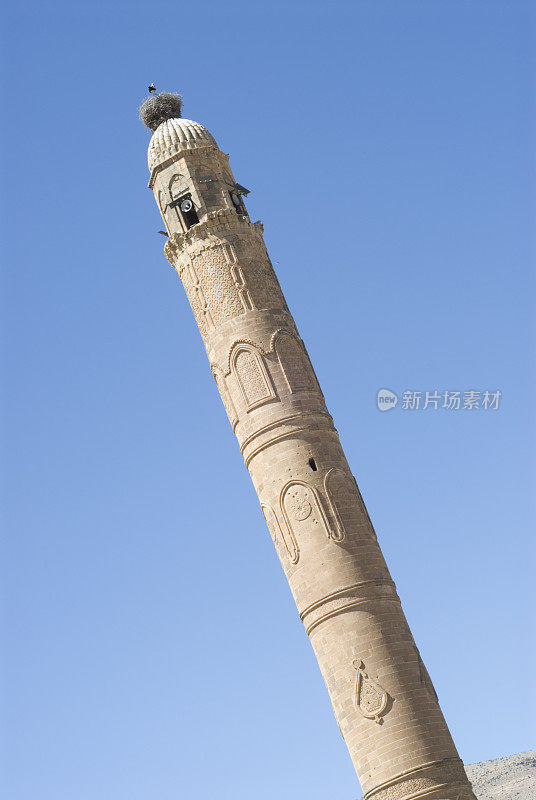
[[175, 135], [171, 133]]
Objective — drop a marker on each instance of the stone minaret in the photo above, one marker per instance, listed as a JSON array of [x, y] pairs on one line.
[[382, 695]]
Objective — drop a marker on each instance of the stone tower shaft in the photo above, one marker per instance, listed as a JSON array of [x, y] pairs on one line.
[[381, 693]]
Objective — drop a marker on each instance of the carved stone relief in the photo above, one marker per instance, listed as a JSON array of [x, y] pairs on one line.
[[370, 699], [177, 185], [243, 292], [251, 375], [294, 362], [428, 781], [215, 271], [219, 287], [261, 278], [162, 205], [230, 286], [302, 510], [197, 299], [346, 503], [281, 533]]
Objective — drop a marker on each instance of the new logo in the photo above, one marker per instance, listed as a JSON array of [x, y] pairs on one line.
[[386, 399]]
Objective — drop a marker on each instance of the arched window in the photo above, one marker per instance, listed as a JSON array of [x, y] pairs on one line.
[[182, 201]]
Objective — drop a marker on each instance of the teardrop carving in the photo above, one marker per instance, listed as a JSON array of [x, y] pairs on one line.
[[303, 512], [370, 698], [281, 533], [346, 504]]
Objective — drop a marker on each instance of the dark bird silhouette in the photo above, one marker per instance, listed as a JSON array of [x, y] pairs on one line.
[[152, 88]]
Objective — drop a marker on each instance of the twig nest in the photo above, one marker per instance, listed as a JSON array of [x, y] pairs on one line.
[[159, 108]]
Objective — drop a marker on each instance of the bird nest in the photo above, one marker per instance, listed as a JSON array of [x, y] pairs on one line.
[[159, 108]]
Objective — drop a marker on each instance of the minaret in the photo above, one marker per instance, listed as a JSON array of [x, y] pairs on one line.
[[382, 695]]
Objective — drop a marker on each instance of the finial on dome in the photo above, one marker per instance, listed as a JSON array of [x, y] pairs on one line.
[[159, 108]]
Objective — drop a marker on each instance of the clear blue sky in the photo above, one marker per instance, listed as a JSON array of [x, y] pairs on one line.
[[154, 651]]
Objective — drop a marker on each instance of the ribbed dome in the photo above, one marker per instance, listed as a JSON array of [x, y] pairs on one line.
[[175, 135]]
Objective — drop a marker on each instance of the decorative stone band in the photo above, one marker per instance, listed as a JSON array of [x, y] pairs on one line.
[[222, 221], [346, 599], [439, 780], [284, 428], [271, 426]]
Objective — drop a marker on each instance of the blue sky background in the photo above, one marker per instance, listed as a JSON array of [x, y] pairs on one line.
[[150, 644]]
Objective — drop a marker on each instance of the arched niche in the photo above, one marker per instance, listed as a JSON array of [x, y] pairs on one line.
[[294, 362], [250, 371], [177, 185]]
